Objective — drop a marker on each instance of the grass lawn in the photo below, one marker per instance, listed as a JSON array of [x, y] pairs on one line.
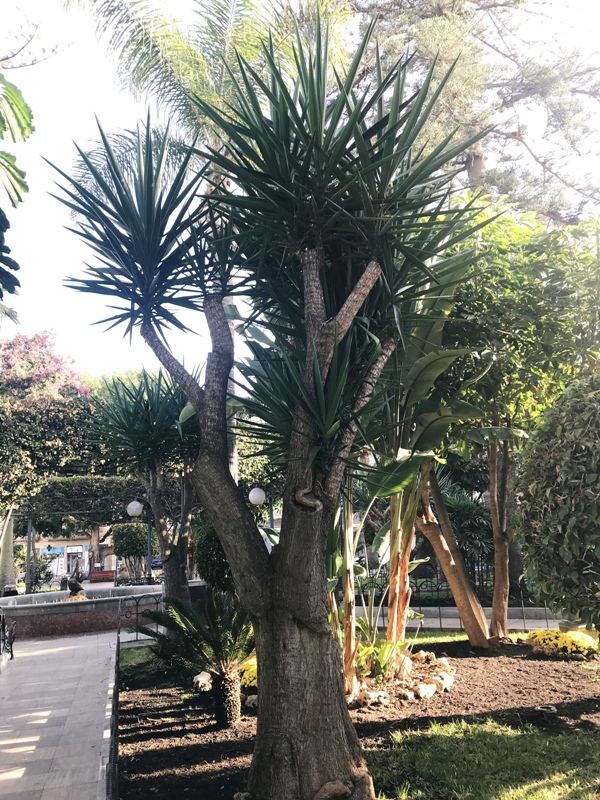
[[487, 761], [134, 656]]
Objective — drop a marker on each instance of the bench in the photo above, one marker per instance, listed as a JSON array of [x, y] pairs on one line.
[[97, 575]]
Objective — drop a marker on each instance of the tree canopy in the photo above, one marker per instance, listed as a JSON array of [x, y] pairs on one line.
[[537, 91]]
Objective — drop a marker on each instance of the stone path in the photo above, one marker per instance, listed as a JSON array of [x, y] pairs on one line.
[[55, 716]]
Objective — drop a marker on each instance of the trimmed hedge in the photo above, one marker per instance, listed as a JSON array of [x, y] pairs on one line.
[[560, 502]]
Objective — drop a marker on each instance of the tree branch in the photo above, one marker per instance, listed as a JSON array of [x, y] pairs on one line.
[[364, 394], [189, 385], [219, 364], [347, 313]]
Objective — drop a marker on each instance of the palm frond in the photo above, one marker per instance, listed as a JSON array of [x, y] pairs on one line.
[[214, 635]]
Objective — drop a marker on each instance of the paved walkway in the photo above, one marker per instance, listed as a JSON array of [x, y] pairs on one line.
[[54, 718]]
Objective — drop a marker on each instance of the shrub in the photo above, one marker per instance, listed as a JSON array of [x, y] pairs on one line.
[[569, 643], [249, 672], [211, 563], [559, 483]]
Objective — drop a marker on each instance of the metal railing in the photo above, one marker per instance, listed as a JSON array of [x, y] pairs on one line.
[[131, 612], [431, 592]]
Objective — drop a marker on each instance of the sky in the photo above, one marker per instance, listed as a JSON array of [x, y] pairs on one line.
[[66, 92]]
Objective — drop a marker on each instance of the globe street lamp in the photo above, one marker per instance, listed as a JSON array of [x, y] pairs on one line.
[[257, 497], [134, 509]]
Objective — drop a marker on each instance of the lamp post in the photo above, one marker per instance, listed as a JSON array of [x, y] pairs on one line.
[[257, 497], [134, 509]]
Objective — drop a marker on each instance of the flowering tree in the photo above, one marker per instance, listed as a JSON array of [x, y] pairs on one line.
[[29, 366], [44, 417]]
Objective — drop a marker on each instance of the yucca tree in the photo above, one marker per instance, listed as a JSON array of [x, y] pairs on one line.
[[332, 223], [213, 635], [136, 420]]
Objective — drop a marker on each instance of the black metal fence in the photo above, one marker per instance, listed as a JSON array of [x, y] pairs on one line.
[[431, 593], [132, 612]]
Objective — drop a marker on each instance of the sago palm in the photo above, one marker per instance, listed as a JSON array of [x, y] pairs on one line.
[[214, 636]]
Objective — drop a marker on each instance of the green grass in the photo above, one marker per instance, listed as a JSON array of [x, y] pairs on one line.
[[434, 636], [134, 656], [487, 761]]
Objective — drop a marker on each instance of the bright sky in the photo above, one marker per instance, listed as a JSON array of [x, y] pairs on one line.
[[66, 92]]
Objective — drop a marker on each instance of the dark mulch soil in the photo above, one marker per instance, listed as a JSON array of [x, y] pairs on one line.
[[170, 748]]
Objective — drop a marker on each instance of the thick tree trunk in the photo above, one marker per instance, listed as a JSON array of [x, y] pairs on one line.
[[226, 697], [306, 747], [7, 562], [305, 740], [444, 543], [175, 572], [94, 551], [499, 621]]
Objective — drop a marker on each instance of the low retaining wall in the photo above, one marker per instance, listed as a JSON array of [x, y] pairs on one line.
[[91, 593], [83, 616]]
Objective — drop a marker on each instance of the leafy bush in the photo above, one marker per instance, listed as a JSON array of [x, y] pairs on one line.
[[569, 643], [211, 563], [376, 657], [560, 502], [472, 526], [249, 672]]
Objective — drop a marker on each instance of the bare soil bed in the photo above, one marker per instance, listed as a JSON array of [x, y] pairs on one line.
[[169, 746]]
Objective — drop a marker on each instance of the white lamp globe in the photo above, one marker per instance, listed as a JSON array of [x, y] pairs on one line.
[[135, 508], [257, 496]]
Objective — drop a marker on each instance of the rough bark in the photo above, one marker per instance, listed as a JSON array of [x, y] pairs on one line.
[[443, 541], [313, 743], [399, 596], [226, 697], [306, 747], [8, 574], [175, 572], [397, 600], [499, 467], [349, 594]]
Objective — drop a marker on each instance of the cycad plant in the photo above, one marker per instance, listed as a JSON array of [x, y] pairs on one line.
[[213, 635]]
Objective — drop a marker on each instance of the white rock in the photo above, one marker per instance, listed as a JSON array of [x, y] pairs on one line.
[[425, 690], [202, 682], [251, 701], [443, 681], [405, 667]]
